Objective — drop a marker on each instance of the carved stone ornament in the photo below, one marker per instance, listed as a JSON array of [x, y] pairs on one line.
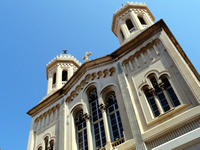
[[102, 107], [86, 116]]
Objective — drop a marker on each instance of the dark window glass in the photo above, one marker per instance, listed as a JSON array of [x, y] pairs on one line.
[[114, 116], [142, 21], [160, 94], [129, 24], [54, 78], [171, 92], [64, 76], [98, 126]]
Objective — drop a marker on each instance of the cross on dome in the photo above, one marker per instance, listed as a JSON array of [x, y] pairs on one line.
[[86, 57], [64, 51]]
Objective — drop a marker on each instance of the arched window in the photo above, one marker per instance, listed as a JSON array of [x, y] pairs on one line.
[[64, 76], [142, 21], [46, 140], [97, 120], [151, 101], [114, 117], [51, 144], [170, 91], [54, 78], [130, 25], [160, 95], [81, 131], [40, 148]]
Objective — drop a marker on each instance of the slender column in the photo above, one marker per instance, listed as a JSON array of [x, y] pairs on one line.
[[136, 20], [147, 18], [102, 107], [89, 134], [153, 92], [70, 72], [127, 98], [42, 119], [58, 77], [162, 86], [124, 30], [50, 81]]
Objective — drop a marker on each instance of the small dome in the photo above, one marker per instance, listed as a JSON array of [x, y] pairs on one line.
[[65, 55]]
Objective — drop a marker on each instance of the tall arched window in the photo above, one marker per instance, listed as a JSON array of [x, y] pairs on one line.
[[142, 21], [81, 131], [97, 120], [40, 148], [46, 140], [160, 94], [151, 101], [130, 25], [114, 116], [51, 144], [170, 91], [64, 76], [54, 78]]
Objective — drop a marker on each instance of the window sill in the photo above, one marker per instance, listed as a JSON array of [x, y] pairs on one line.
[[166, 114]]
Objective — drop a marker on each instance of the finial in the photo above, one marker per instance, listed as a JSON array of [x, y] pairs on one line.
[[86, 56], [64, 51]]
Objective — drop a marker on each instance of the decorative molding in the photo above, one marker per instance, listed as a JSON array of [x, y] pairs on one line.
[[88, 78]]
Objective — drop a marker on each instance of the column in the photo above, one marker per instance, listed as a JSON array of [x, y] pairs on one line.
[[136, 20], [148, 19], [58, 77], [124, 30], [62, 126], [38, 125], [102, 107], [89, 134], [70, 72], [127, 98], [50, 82], [162, 86], [153, 92]]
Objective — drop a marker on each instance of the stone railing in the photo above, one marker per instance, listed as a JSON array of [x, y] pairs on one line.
[[145, 26], [63, 82], [132, 30], [118, 142]]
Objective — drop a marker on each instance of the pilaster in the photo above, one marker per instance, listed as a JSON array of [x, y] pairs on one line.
[[127, 98]]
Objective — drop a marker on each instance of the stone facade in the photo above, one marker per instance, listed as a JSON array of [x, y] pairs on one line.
[[145, 95]]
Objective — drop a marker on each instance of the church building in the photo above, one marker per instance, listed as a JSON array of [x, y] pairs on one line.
[[143, 96]]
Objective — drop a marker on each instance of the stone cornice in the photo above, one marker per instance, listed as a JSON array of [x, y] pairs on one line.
[[116, 55]]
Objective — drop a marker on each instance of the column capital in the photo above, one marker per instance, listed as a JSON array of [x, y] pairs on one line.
[[102, 107], [152, 91], [161, 85], [86, 116]]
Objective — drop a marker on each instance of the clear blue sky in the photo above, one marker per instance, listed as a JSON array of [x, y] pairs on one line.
[[32, 32]]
